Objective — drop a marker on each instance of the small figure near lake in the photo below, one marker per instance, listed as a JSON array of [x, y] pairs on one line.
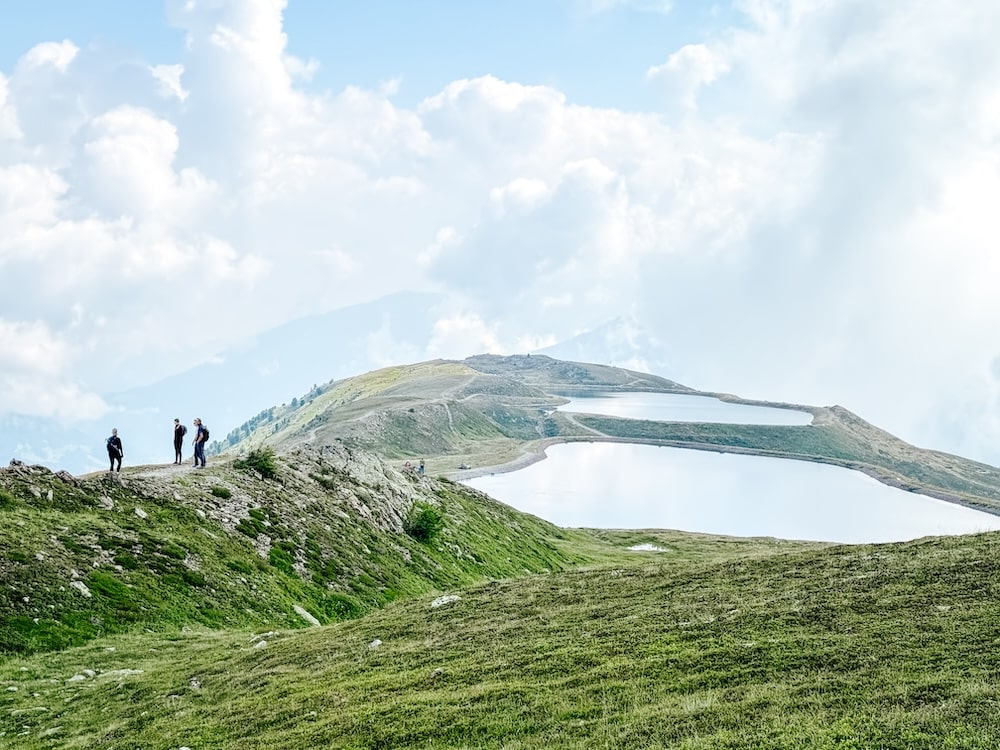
[[180, 431], [420, 469], [115, 450]]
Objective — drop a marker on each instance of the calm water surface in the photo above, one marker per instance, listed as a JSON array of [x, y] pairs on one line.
[[616, 485], [680, 407]]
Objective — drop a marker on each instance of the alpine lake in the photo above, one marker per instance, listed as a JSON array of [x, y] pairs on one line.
[[629, 486]]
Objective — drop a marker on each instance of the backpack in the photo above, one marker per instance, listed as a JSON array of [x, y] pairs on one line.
[[204, 432], [184, 430]]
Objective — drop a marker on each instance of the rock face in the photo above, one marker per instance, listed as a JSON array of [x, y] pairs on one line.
[[164, 546]]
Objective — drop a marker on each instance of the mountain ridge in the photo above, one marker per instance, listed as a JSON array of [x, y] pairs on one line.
[[498, 413]]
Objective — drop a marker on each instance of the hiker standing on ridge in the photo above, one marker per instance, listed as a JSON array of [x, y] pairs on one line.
[[115, 450], [200, 438], [180, 431]]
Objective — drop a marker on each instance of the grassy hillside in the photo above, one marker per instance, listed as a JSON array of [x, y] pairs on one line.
[[885, 646], [161, 548], [321, 596]]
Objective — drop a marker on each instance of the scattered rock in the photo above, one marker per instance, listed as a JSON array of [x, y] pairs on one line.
[[305, 615], [81, 587], [261, 638], [374, 644], [141, 513], [442, 600]]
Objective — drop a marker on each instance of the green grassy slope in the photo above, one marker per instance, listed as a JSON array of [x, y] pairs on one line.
[[222, 547], [883, 646]]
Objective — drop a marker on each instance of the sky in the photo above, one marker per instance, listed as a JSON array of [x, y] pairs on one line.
[[791, 200]]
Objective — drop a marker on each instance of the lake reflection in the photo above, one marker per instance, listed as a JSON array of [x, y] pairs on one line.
[[682, 407], [615, 485]]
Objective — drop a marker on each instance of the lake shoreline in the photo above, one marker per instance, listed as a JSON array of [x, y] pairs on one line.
[[615, 486], [535, 452]]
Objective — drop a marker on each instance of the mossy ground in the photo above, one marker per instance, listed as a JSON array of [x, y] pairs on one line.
[[709, 644]]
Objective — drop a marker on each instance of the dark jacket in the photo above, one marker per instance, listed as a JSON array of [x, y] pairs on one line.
[[115, 446]]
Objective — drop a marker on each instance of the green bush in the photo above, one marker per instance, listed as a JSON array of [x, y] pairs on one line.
[[222, 492], [239, 566], [423, 522], [260, 460], [250, 526], [282, 560], [6, 500]]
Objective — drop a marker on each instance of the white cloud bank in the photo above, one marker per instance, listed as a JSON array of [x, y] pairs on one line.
[[809, 218]]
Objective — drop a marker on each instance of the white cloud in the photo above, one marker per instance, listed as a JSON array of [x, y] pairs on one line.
[[58, 55], [29, 196], [169, 78], [444, 238], [688, 70], [519, 194], [301, 69], [455, 335], [33, 363], [9, 129], [129, 164], [30, 346]]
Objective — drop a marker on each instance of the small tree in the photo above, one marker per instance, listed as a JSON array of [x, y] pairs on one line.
[[423, 522], [260, 460]]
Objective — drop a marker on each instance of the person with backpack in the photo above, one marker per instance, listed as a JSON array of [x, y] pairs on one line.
[[115, 450], [200, 438], [180, 430]]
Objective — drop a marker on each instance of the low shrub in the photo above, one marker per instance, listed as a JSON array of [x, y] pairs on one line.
[[260, 460], [423, 522]]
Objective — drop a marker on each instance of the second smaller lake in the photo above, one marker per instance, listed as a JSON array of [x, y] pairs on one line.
[[682, 407]]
